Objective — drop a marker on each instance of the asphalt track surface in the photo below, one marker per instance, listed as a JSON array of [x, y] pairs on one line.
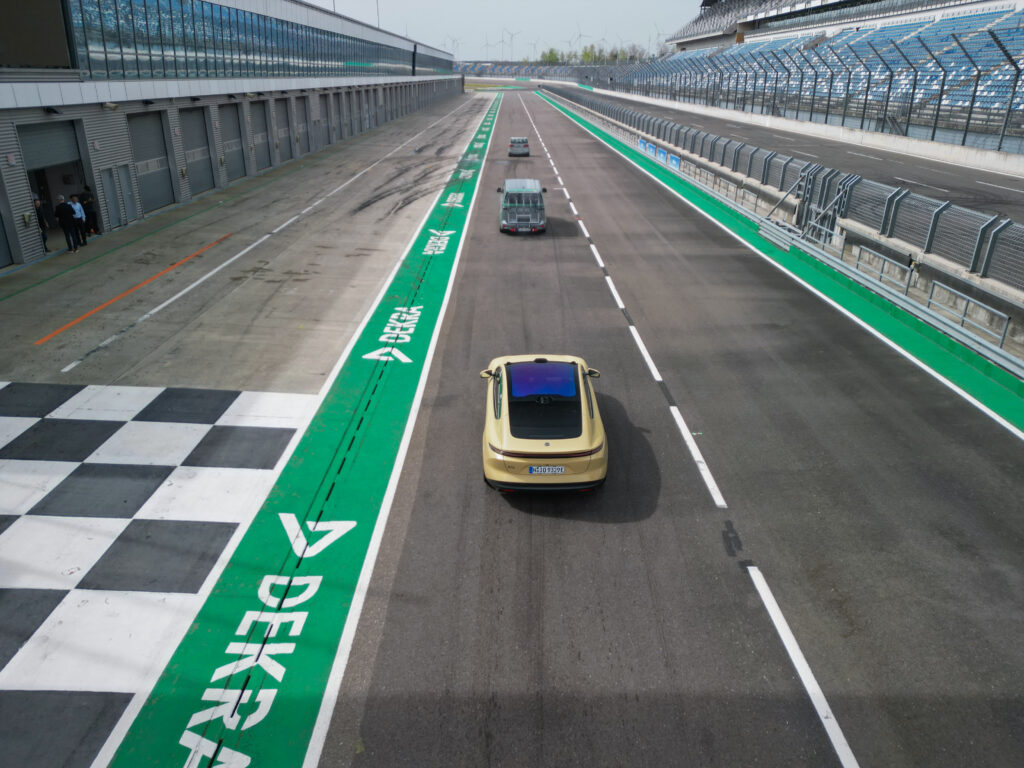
[[622, 627], [618, 627], [992, 193]]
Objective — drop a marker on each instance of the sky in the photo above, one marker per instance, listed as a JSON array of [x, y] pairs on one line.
[[474, 29]]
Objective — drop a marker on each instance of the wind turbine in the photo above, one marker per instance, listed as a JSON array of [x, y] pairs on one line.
[[511, 41]]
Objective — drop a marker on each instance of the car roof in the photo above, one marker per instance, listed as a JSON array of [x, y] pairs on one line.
[[522, 185]]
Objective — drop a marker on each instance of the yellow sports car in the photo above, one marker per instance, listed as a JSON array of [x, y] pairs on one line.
[[543, 430]]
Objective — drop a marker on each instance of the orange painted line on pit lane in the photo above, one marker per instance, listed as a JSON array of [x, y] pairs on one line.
[[106, 304]]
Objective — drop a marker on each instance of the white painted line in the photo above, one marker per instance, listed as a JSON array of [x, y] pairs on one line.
[[565, 192], [615, 293], [698, 458], [560, 182], [782, 138], [572, 208], [805, 154], [201, 280], [130, 712], [307, 209], [647, 355], [554, 169], [869, 157], [319, 736], [584, 228], [597, 256], [177, 296], [290, 221], [803, 669], [920, 183], [1015, 431], [999, 186]]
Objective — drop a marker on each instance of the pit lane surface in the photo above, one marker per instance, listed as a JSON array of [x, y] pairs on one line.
[[622, 627]]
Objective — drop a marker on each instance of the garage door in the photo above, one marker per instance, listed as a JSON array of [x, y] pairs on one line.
[[325, 120], [231, 136], [5, 248], [260, 137], [284, 134], [302, 125], [48, 144], [197, 149], [150, 152]]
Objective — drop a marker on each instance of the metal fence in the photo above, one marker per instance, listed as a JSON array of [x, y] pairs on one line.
[[989, 246], [965, 91]]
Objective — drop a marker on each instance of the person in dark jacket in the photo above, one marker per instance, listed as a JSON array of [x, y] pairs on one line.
[[88, 201], [66, 218], [41, 219]]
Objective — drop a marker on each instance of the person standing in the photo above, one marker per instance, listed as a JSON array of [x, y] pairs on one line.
[[79, 219], [41, 219], [66, 218], [88, 201]]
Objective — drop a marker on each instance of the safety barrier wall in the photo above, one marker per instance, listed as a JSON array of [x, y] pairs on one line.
[[808, 196]]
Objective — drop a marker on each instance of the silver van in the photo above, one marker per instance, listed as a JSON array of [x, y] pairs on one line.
[[522, 206]]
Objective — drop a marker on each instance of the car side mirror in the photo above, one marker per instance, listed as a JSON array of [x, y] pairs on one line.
[[544, 190], [499, 190], [593, 373], [485, 374]]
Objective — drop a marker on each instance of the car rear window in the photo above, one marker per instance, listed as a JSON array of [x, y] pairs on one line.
[[544, 401], [527, 379], [531, 199]]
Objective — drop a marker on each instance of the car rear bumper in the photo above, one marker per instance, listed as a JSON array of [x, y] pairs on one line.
[[578, 486], [497, 473]]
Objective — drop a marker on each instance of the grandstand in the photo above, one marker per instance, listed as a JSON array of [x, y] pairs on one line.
[[942, 71]]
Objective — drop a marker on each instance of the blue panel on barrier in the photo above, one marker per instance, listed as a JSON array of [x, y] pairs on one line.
[[651, 150], [641, 144], [673, 162], [662, 155]]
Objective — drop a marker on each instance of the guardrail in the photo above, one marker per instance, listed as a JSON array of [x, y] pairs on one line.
[[962, 306], [954, 320]]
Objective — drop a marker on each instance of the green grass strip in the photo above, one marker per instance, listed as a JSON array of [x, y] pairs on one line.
[[994, 387]]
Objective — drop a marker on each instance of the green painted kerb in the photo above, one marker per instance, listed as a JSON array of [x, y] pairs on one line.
[[994, 387], [246, 684]]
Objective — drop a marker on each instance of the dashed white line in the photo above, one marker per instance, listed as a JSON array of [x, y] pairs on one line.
[[1013, 429], [803, 669], [572, 207], [698, 458], [615, 293], [1000, 186], [597, 256], [565, 192], [646, 355], [560, 182], [805, 154], [920, 183], [584, 228], [869, 157], [554, 169], [782, 138]]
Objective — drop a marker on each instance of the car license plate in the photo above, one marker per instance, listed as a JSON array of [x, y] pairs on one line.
[[547, 470]]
